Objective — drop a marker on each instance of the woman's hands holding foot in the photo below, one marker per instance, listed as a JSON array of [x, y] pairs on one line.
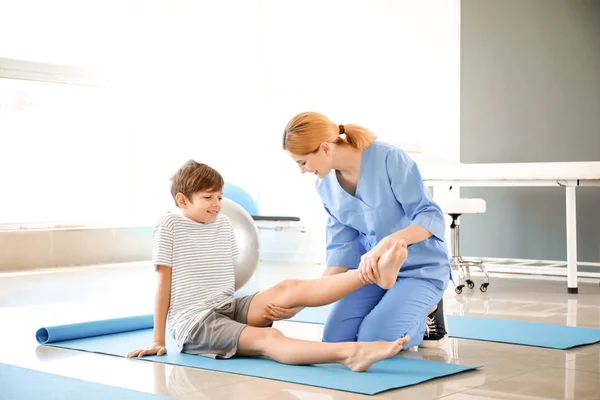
[[369, 269]]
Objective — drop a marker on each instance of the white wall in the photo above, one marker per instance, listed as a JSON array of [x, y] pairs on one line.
[[392, 66], [218, 81]]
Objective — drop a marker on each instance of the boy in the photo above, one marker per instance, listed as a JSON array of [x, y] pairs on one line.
[[194, 254]]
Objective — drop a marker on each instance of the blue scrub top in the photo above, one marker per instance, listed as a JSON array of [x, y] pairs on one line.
[[390, 196]]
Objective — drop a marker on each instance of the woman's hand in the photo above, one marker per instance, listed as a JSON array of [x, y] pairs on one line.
[[367, 269], [276, 313]]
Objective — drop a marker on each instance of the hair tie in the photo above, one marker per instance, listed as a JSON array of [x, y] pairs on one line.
[[342, 130]]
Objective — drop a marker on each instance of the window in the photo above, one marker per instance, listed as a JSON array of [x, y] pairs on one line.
[[63, 153]]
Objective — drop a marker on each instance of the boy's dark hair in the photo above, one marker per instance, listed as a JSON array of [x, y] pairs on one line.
[[195, 177]]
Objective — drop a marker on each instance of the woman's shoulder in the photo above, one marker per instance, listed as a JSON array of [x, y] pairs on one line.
[[385, 147], [402, 146], [391, 158], [383, 151]]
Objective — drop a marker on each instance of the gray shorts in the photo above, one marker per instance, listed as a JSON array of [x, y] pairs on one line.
[[217, 334]]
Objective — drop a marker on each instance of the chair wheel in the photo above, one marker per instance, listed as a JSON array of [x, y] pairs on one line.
[[471, 284], [458, 289], [484, 286]]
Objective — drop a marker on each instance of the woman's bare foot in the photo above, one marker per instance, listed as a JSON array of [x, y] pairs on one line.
[[389, 264], [365, 354]]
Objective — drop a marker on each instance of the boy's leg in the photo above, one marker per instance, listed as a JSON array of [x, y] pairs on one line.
[[324, 290], [402, 312], [223, 333], [271, 343]]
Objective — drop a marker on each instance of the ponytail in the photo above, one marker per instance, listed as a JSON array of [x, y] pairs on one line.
[[357, 136], [306, 131]]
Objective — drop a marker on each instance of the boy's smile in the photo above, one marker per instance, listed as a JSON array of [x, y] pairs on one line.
[[204, 207]]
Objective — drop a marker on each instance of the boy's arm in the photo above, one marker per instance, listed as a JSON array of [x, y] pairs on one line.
[[161, 304], [161, 308]]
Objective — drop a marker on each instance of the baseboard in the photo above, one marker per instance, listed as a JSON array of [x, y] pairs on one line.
[[34, 249], [49, 248]]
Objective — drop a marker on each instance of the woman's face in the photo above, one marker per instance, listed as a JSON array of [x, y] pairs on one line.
[[318, 163]]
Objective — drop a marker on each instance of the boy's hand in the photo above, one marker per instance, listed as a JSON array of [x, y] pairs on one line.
[[156, 349], [275, 313]]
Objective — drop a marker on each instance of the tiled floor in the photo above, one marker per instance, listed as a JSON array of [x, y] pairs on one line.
[[31, 300]]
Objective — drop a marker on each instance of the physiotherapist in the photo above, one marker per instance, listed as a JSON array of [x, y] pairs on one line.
[[373, 194]]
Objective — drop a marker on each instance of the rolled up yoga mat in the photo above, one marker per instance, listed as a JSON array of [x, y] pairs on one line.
[[61, 333], [119, 336]]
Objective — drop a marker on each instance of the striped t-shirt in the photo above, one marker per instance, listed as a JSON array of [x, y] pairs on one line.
[[201, 257]]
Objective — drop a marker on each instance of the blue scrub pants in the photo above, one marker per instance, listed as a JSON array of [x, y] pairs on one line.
[[374, 314]]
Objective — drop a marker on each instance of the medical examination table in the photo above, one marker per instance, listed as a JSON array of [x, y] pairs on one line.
[[568, 175]]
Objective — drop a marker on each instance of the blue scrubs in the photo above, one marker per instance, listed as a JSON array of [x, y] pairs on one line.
[[390, 196]]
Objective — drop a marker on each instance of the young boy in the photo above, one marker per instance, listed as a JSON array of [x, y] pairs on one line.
[[194, 255]]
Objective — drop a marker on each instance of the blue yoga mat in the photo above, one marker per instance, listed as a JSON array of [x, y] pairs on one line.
[[521, 332], [17, 383], [117, 337], [494, 330]]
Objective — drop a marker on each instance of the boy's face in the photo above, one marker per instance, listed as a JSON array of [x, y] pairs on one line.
[[204, 207]]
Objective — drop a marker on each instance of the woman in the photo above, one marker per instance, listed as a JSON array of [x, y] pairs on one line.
[[374, 195]]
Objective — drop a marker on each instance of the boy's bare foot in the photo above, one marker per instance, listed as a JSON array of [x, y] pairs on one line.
[[389, 264], [365, 354]]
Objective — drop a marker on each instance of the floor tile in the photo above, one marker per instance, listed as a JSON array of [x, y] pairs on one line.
[[66, 295]]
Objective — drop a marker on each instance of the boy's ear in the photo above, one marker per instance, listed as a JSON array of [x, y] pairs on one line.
[[181, 200]]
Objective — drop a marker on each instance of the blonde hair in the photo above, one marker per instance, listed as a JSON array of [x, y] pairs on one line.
[[306, 131]]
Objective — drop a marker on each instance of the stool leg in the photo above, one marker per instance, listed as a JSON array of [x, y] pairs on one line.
[[461, 279], [455, 239], [467, 267], [486, 279], [456, 261], [464, 266], [470, 283]]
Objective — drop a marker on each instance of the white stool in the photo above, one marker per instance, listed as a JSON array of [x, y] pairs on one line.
[[456, 208]]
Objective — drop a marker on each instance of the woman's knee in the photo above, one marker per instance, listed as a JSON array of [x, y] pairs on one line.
[[339, 332], [348, 313], [416, 331], [402, 311], [380, 327], [341, 326]]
